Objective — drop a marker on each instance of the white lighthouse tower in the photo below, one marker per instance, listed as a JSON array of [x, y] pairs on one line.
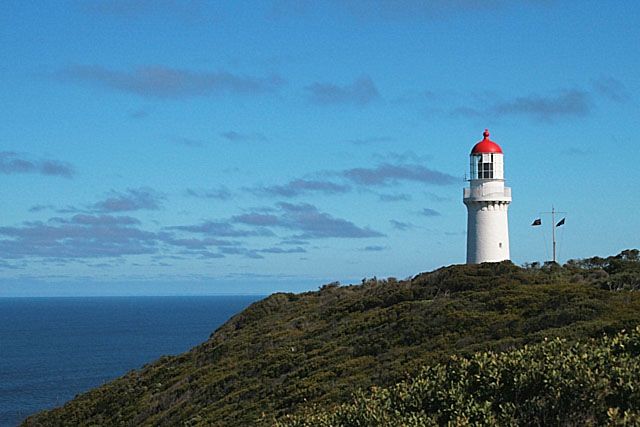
[[487, 201]]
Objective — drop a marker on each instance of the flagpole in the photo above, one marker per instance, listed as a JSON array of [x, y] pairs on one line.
[[553, 228]]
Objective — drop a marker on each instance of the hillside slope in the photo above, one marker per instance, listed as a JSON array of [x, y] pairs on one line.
[[590, 383], [289, 351]]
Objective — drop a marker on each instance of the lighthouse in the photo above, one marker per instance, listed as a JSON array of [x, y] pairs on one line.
[[487, 201]]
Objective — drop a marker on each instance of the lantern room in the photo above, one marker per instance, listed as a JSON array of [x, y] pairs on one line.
[[486, 160]]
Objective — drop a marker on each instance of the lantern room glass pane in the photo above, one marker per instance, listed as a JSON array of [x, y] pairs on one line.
[[482, 166]]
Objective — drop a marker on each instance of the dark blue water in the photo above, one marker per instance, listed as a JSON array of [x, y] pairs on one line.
[[54, 348]]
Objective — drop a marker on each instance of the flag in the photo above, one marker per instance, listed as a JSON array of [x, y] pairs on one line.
[[536, 222], [561, 222]]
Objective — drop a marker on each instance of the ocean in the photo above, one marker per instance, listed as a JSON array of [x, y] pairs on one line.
[[51, 349]]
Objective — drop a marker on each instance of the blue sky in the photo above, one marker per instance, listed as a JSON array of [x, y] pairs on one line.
[[191, 147]]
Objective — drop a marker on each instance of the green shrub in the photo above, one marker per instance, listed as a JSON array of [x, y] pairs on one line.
[[552, 383]]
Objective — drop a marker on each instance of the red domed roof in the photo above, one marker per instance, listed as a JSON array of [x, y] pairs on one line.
[[486, 145]]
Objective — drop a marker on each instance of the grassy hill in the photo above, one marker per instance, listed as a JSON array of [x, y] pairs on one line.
[[291, 351]]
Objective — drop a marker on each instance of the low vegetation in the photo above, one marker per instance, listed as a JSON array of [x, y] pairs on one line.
[[591, 383], [291, 352]]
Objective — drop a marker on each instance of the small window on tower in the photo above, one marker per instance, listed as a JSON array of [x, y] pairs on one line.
[[500, 244]]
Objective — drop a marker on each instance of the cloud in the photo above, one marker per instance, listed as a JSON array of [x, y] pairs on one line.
[[435, 197], [387, 173], [307, 220], [243, 137], [13, 163], [429, 212], [611, 89], [564, 103], [63, 239], [164, 82], [198, 244], [293, 242], [312, 223], [298, 187], [81, 236], [40, 208], [220, 229], [277, 250], [259, 219], [132, 200], [402, 226], [361, 92], [97, 220], [220, 193], [248, 253], [373, 248], [394, 197]]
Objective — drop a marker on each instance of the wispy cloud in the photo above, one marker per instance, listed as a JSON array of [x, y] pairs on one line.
[[435, 197], [299, 187], [394, 197], [611, 89], [14, 163], [97, 220], [564, 103], [361, 92], [429, 212], [277, 250], [221, 229], [40, 208], [132, 200], [234, 136], [85, 235], [315, 224], [197, 244], [383, 174], [257, 218], [81, 236], [387, 173], [219, 193], [400, 225], [166, 82], [373, 248], [307, 220]]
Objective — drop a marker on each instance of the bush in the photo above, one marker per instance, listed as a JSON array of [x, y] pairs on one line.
[[552, 383]]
